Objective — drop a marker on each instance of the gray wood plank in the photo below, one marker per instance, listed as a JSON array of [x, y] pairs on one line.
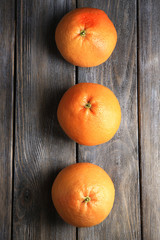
[[7, 37], [119, 157], [149, 111], [42, 149]]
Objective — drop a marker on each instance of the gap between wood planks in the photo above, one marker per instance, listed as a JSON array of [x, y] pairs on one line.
[[14, 108], [76, 81], [138, 124]]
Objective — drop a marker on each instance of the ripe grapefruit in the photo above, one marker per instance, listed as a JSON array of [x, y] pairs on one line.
[[89, 113], [86, 37], [83, 194]]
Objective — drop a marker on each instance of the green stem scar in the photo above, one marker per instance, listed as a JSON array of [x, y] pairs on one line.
[[83, 33], [87, 199], [88, 105]]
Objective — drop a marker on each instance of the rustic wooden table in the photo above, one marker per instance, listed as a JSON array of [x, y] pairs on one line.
[[33, 148]]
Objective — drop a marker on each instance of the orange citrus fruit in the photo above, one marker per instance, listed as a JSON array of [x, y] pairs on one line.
[[89, 113], [86, 37], [83, 194]]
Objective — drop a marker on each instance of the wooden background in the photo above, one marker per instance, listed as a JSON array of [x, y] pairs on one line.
[[33, 148]]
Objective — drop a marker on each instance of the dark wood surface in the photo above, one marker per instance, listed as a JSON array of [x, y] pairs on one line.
[[34, 77], [119, 157], [7, 41], [41, 148], [149, 116]]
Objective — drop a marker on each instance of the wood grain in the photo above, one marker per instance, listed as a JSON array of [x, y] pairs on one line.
[[149, 111], [119, 157], [7, 38], [42, 149]]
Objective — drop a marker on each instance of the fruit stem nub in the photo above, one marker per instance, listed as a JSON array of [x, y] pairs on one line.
[[87, 199], [83, 33], [88, 105]]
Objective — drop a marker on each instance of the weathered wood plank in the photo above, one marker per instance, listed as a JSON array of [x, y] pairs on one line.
[[149, 95], [7, 37], [42, 149], [119, 157]]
